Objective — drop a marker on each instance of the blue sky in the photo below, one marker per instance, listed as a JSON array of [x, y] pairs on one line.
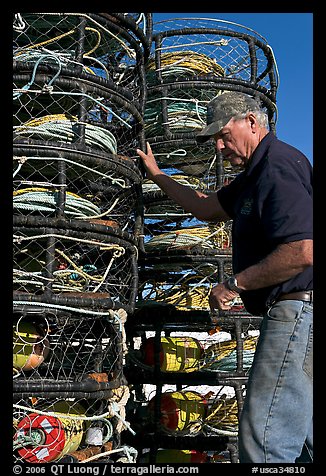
[[291, 37]]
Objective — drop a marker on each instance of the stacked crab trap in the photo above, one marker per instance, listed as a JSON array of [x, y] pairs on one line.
[[187, 367], [79, 96]]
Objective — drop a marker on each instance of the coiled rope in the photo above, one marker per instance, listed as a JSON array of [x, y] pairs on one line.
[[62, 128], [183, 116], [222, 356], [184, 294], [223, 417], [77, 278], [185, 63], [149, 186], [112, 46], [205, 237], [43, 200], [43, 55]]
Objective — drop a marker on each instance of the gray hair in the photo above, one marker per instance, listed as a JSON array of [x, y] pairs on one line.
[[261, 116]]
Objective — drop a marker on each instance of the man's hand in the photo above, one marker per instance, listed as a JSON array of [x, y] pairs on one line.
[[221, 297], [149, 162]]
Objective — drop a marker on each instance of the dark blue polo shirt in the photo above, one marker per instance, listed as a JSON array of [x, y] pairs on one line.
[[270, 203]]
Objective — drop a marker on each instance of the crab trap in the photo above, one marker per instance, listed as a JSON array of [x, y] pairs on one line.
[[65, 351], [196, 237], [168, 227], [71, 430], [179, 109], [220, 353], [182, 278], [204, 418], [65, 182], [108, 47], [58, 108], [161, 214], [76, 263], [226, 54]]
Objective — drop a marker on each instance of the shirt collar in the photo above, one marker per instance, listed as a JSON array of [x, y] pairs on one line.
[[260, 152]]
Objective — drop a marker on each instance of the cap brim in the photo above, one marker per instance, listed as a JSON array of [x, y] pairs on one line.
[[211, 130]]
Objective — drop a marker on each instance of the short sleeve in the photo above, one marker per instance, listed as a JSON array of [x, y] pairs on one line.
[[228, 194], [287, 212]]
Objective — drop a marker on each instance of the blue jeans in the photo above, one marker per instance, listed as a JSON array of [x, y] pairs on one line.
[[276, 420]]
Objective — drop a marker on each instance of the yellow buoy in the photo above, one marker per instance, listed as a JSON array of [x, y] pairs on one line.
[[177, 354], [30, 346]]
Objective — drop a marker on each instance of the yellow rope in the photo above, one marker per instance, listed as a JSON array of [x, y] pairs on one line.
[[224, 414], [223, 349], [208, 236], [21, 191], [183, 179], [187, 296], [79, 270], [59, 37], [198, 62], [49, 118]]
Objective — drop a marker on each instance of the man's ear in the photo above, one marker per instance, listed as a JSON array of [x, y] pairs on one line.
[[252, 120]]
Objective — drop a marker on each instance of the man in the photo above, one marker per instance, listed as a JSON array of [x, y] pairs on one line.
[[270, 204]]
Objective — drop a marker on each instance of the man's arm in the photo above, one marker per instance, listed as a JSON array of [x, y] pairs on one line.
[[288, 260], [200, 205]]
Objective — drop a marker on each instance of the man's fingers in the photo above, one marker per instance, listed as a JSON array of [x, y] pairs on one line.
[[142, 154], [149, 149]]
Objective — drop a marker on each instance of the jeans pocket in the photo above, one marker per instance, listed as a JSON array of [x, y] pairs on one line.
[[286, 311], [308, 359]]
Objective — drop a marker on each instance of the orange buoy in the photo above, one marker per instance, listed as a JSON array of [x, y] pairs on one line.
[[180, 409]]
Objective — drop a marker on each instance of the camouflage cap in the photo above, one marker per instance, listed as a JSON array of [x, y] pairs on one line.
[[222, 108]]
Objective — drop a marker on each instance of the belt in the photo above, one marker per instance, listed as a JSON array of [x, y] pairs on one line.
[[306, 296]]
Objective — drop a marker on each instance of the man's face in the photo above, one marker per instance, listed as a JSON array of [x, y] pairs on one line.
[[234, 141]]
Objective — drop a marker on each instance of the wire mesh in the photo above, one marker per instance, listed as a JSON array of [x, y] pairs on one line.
[[189, 411], [63, 351], [182, 279], [71, 430], [236, 52], [178, 109], [68, 183], [140, 25], [88, 90], [69, 110], [227, 354], [196, 237], [193, 61], [81, 264], [101, 46]]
